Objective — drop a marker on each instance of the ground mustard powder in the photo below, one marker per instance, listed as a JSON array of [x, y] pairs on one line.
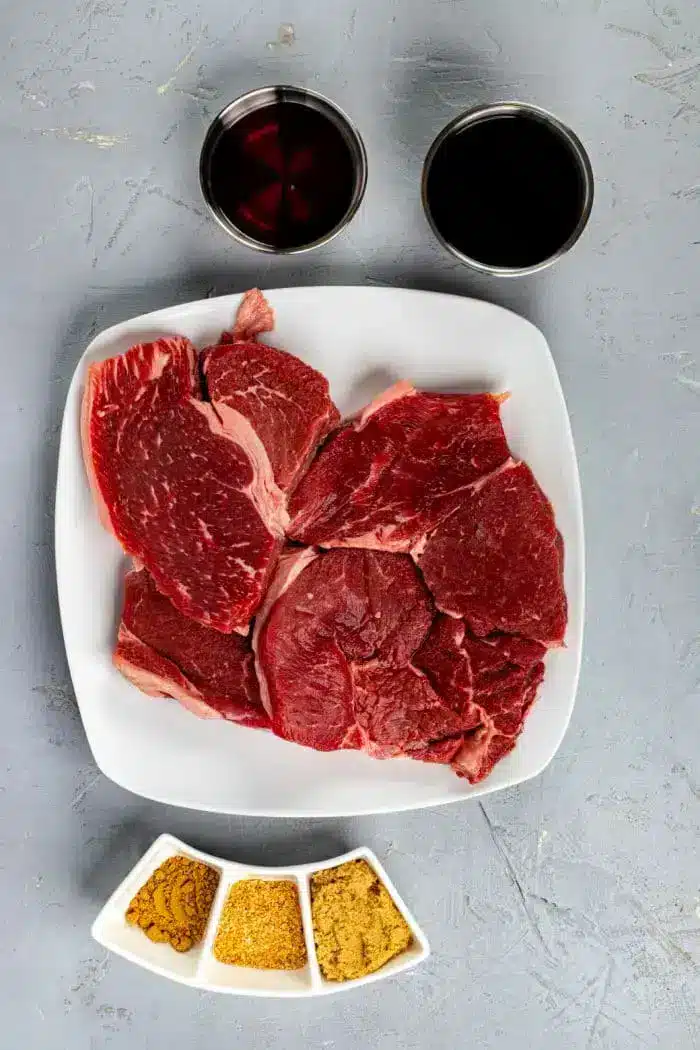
[[261, 926], [174, 905], [357, 926]]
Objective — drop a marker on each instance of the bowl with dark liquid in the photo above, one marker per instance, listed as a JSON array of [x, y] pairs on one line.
[[507, 188], [283, 169]]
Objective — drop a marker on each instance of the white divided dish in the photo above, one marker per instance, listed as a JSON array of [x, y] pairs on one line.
[[200, 969], [362, 339]]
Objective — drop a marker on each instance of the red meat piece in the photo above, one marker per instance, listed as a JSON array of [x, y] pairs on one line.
[[387, 478], [163, 653]]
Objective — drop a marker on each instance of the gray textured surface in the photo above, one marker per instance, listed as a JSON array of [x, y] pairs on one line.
[[564, 913]]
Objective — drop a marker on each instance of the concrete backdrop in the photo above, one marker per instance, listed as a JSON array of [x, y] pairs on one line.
[[565, 913]]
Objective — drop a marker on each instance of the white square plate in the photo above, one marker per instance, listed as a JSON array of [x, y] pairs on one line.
[[199, 967], [363, 339]]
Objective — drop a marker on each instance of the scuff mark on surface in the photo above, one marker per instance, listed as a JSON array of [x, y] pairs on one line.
[[510, 869], [286, 36], [91, 973], [496, 43], [420, 59], [458, 103], [113, 1017], [91, 8], [163, 88], [677, 355], [444, 64], [670, 12], [38, 100], [200, 93], [59, 695], [86, 184], [676, 82], [686, 369], [677, 955], [137, 191], [352, 22], [668, 53], [87, 778], [158, 191], [680, 770], [686, 112], [92, 138], [77, 89], [607, 1015], [594, 992], [688, 193], [175, 126]]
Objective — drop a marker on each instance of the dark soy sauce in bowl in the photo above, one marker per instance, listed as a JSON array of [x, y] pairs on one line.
[[284, 175], [509, 190]]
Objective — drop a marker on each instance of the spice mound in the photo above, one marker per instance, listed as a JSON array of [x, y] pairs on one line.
[[174, 905], [261, 926], [357, 926]]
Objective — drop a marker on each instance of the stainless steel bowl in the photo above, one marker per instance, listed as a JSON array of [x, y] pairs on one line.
[[500, 109], [266, 96]]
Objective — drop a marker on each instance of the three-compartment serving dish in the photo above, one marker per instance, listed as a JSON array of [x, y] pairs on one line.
[[199, 967]]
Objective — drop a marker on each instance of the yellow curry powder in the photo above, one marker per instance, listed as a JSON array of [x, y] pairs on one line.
[[357, 926], [174, 905], [261, 926]]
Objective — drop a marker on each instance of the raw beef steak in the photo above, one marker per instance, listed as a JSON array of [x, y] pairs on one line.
[[191, 497], [334, 649], [387, 478], [442, 657], [497, 561], [286, 401], [506, 674], [166, 654], [398, 712], [492, 681]]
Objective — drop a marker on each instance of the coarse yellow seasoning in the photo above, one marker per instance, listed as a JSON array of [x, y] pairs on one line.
[[357, 926], [261, 926], [174, 905]]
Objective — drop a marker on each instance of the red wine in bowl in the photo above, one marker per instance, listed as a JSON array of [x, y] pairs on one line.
[[508, 190], [282, 175]]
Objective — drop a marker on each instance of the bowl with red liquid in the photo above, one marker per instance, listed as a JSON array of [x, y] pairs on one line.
[[282, 169], [507, 188]]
